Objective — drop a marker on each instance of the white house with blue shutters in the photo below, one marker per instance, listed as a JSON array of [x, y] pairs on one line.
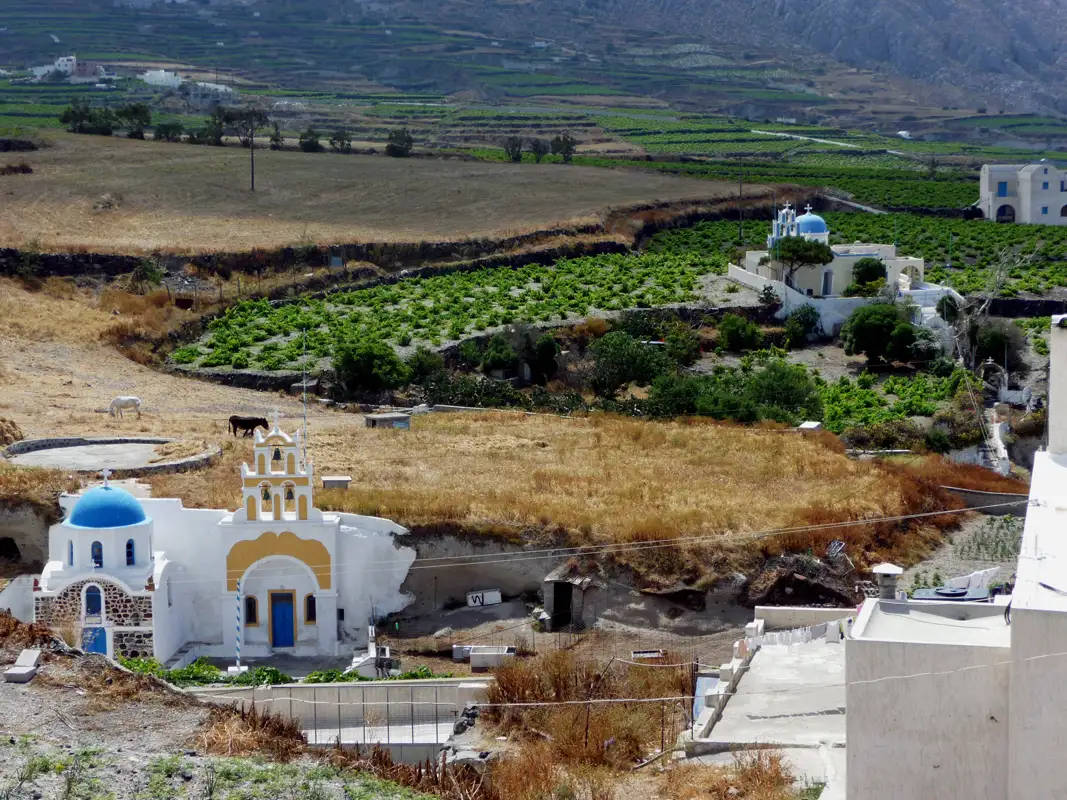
[[151, 578], [1029, 193]]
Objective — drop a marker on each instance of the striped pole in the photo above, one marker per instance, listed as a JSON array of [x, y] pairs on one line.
[[238, 623]]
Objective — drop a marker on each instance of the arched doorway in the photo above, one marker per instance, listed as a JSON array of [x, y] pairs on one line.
[[1006, 213], [1063, 211], [9, 551]]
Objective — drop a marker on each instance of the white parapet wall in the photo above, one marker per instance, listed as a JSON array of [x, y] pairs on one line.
[[784, 617], [1057, 387]]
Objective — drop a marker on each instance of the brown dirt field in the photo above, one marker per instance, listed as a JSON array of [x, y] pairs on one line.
[[185, 198]]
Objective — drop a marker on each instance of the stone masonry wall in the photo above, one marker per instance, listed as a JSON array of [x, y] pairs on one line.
[[120, 608], [134, 644]]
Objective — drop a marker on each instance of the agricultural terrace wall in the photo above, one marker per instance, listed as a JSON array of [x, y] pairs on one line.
[[652, 223], [17, 146], [65, 265]]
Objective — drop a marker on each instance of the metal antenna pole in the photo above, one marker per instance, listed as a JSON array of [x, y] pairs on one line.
[[304, 386]]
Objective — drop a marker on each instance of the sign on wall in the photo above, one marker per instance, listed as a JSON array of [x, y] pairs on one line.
[[486, 597]]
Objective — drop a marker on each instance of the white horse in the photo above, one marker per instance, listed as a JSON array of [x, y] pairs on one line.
[[121, 404]]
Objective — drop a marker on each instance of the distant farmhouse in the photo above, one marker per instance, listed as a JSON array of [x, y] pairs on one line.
[[76, 71], [1029, 193]]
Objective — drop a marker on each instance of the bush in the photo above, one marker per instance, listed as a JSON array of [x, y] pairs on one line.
[[424, 364], [800, 323], [513, 149], [399, 144], [621, 359], [240, 360], [872, 289], [738, 334], [499, 354], [168, 132], [682, 345], [999, 339], [869, 330], [186, 355], [368, 365], [541, 356]]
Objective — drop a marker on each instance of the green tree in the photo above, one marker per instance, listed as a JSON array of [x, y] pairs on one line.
[[869, 330], [276, 139], [168, 132], [738, 334], [215, 127], [795, 253], [341, 141], [620, 359], [400, 143], [513, 149], [245, 121], [76, 115], [564, 146], [682, 345], [368, 365], [135, 117], [539, 148], [309, 140], [784, 392], [868, 270]]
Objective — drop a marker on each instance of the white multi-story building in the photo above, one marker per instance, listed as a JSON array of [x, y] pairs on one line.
[[960, 699], [1030, 193]]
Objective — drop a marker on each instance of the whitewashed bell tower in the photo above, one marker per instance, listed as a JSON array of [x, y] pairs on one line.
[[278, 485]]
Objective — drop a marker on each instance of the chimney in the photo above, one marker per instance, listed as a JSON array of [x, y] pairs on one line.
[[1057, 387], [887, 575]]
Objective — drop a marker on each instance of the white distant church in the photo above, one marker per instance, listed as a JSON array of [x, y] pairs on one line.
[[152, 578]]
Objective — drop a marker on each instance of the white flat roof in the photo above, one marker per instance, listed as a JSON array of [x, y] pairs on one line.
[[975, 624], [1041, 577]]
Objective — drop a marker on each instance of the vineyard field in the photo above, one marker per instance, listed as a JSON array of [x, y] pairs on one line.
[[449, 307]]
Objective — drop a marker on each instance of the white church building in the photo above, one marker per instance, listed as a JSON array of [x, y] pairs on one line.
[[823, 286], [151, 578]]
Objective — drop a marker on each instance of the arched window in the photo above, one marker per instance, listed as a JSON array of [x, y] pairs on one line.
[[290, 498], [267, 499], [310, 611], [130, 561], [1063, 211], [251, 612], [97, 554], [70, 553], [94, 602]]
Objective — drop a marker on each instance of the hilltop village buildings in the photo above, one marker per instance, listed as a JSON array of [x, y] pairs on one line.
[[151, 578], [1029, 193]]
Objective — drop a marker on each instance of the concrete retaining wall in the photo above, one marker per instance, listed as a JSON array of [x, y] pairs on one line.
[[785, 617], [17, 598], [975, 499]]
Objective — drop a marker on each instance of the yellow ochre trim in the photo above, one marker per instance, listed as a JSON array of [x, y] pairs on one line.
[[311, 552], [270, 612], [276, 479], [302, 507]]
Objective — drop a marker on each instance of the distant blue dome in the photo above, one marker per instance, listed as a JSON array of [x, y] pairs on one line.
[[106, 507], [811, 223]]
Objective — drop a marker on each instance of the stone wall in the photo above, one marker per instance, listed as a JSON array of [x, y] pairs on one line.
[[27, 526], [134, 644], [120, 608]]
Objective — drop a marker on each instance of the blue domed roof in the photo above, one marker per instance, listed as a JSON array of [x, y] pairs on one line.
[[811, 223], [106, 507]]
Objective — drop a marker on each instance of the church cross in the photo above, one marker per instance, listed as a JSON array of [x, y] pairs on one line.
[[276, 419], [807, 208], [107, 474]]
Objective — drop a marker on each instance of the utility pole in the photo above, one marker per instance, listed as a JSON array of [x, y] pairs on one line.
[[252, 147], [740, 208]]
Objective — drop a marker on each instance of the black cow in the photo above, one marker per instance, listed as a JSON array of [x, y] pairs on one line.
[[247, 424]]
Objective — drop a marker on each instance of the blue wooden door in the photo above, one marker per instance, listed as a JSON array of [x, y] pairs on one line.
[[94, 640], [281, 620]]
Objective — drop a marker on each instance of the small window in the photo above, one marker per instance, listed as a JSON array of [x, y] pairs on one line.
[[1063, 186], [1044, 186], [310, 612], [70, 553], [94, 603], [251, 612], [97, 552], [1045, 171], [1044, 209], [130, 561], [1002, 189]]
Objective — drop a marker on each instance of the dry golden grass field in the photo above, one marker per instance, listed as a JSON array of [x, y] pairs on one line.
[[594, 479], [187, 199]]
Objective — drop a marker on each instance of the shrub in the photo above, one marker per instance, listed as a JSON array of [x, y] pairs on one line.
[[185, 355], [800, 323], [513, 149], [872, 289], [682, 345], [240, 361], [767, 296], [541, 356], [499, 354], [399, 144], [168, 132], [369, 365], [1001, 339], [564, 146], [539, 148], [341, 141], [620, 359], [739, 334], [869, 330], [424, 364]]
